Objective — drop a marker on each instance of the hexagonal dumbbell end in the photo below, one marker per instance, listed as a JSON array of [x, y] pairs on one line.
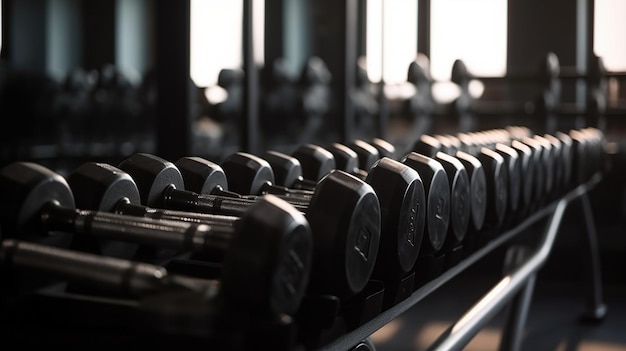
[[202, 176], [153, 175], [437, 191], [402, 202], [315, 160]]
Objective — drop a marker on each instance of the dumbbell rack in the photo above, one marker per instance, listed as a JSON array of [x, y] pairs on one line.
[[53, 302], [514, 288]]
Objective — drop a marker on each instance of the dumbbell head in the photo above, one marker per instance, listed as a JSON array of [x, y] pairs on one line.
[[101, 187], [401, 195], [37, 187], [478, 188], [459, 197], [345, 217], [368, 154], [548, 160], [287, 169], [512, 163], [152, 175], [200, 175], [557, 161], [539, 167], [315, 160], [437, 192], [497, 185], [385, 148], [26, 188], [247, 173], [566, 144], [527, 167], [269, 257], [346, 159], [427, 145]]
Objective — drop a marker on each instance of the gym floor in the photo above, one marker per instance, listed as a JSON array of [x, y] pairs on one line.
[[553, 321]]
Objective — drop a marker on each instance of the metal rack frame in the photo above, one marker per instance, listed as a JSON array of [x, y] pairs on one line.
[[515, 288]]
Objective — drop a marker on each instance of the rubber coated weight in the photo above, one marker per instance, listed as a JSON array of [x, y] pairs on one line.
[[459, 198], [512, 162], [497, 185], [346, 159], [385, 148], [24, 191], [558, 161], [478, 188], [427, 145], [437, 192], [402, 201], [566, 144], [290, 170], [278, 233], [202, 176], [539, 178], [272, 232], [344, 215], [367, 154], [247, 174], [548, 160], [315, 160], [527, 169]]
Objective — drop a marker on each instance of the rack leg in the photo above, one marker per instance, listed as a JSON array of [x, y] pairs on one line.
[[595, 309]]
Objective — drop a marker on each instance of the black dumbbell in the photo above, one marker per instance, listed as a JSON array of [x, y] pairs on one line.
[[204, 176], [385, 148], [367, 153], [437, 202], [246, 174], [116, 277], [316, 163], [37, 201], [459, 184], [527, 166], [400, 193], [344, 215], [431, 146], [346, 159], [539, 178], [287, 170], [566, 144], [497, 185], [514, 171]]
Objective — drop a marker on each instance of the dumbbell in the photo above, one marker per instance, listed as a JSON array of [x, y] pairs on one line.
[[437, 192], [400, 194], [37, 201], [204, 176], [287, 170], [344, 215], [245, 173], [144, 282], [316, 163], [432, 146], [346, 159], [385, 148]]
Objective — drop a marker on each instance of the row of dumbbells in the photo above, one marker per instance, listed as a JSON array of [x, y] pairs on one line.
[[322, 220]]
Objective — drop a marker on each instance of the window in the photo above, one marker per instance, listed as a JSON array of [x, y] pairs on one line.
[[474, 31], [216, 37], [391, 39], [609, 32]]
